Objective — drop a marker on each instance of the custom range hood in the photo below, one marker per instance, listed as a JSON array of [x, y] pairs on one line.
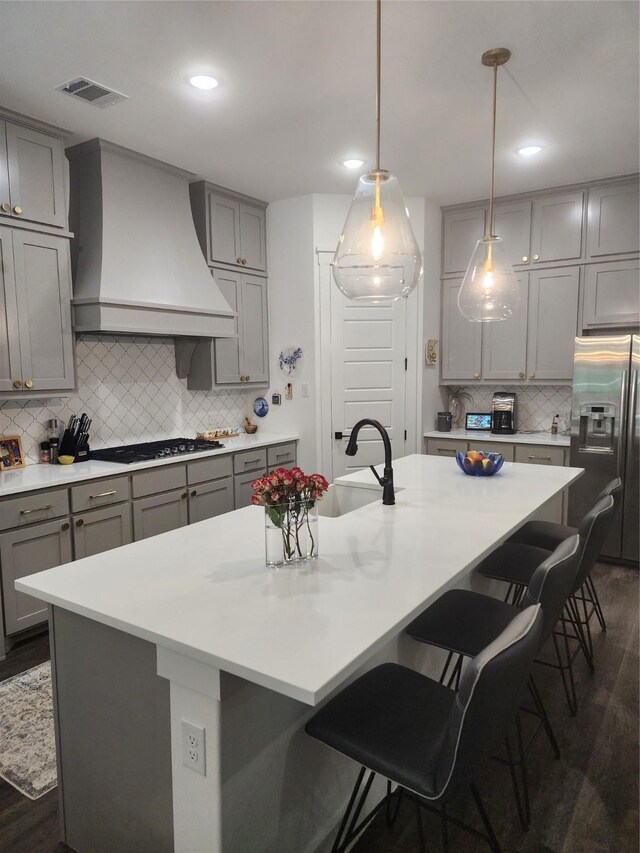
[[138, 266]]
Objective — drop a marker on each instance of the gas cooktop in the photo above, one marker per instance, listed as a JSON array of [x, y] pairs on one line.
[[149, 450]]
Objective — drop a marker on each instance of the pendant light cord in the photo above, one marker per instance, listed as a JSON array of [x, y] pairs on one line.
[[493, 149], [378, 60]]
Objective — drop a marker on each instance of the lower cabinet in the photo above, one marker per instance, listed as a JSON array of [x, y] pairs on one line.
[[101, 529], [532, 454], [159, 513], [25, 552], [206, 500], [445, 447], [242, 488]]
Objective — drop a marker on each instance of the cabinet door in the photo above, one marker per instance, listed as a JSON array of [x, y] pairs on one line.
[[25, 552], [36, 175], [462, 229], [242, 488], [254, 355], [223, 222], [504, 343], [208, 500], [611, 294], [543, 455], [512, 222], [556, 227], [10, 370], [101, 529], [461, 340], [613, 226], [253, 237], [552, 325], [43, 287], [227, 350], [159, 513], [5, 198]]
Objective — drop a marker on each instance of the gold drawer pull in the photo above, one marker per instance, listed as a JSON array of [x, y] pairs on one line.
[[5, 207], [545, 458], [17, 383], [103, 494], [36, 509], [29, 384], [17, 210], [282, 455]]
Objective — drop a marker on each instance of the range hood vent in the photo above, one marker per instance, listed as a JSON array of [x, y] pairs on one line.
[[91, 92], [137, 265]]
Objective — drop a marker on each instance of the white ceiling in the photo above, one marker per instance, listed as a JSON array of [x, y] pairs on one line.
[[297, 88]]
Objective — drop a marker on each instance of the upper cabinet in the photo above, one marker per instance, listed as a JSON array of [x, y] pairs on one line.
[[512, 223], [231, 227], [556, 227], [462, 230], [613, 226], [504, 344], [552, 323], [612, 294], [31, 176], [461, 351]]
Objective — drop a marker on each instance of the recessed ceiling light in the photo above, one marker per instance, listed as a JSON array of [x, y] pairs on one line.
[[353, 164], [529, 150], [202, 81]]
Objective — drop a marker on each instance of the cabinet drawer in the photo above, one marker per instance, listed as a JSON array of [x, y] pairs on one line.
[[209, 469], [100, 493], [539, 454], [440, 447], [283, 454], [159, 480], [30, 507], [249, 460], [507, 450]]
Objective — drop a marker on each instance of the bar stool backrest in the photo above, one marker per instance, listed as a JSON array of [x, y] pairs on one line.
[[552, 582], [614, 488], [490, 691], [593, 530]]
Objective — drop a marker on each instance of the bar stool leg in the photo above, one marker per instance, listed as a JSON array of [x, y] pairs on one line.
[[537, 701], [596, 601], [423, 846], [522, 814], [491, 836], [445, 829]]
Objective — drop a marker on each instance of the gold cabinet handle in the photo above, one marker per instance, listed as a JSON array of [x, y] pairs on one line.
[[183, 495], [532, 376], [65, 526], [103, 494], [80, 522], [17, 383], [238, 260], [28, 383], [476, 376], [521, 375], [244, 261], [248, 378], [525, 258], [543, 458], [193, 493], [5, 207], [36, 509], [17, 210], [536, 257]]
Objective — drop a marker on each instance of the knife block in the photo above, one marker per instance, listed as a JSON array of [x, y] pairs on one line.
[[82, 453]]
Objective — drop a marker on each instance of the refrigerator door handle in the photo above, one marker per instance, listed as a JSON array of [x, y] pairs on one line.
[[622, 438], [631, 421]]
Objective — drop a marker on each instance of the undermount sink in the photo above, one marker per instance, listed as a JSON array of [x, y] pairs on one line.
[[341, 499]]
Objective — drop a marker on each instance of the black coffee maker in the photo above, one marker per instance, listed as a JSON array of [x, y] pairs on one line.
[[503, 413]]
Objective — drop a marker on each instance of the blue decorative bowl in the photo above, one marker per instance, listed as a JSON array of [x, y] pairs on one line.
[[477, 463]]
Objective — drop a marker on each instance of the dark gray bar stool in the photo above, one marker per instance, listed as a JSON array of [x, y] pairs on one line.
[[463, 622], [424, 737]]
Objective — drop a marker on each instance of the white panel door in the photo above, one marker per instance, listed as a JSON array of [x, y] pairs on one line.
[[367, 378]]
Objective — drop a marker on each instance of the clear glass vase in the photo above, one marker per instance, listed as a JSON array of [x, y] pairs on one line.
[[291, 533]]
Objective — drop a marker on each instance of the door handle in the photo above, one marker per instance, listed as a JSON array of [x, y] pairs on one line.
[[622, 439], [631, 420], [337, 435], [342, 435]]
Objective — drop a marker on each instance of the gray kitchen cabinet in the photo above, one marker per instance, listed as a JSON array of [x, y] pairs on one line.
[[250, 460], [236, 361], [613, 225], [160, 513], [160, 479], [445, 446], [450, 446], [462, 230], [207, 500], [100, 530], [504, 343], [512, 223], [552, 323], [231, 227], [24, 552], [531, 454], [36, 341], [31, 175], [461, 340], [556, 227], [611, 294], [281, 456], [242, 488]]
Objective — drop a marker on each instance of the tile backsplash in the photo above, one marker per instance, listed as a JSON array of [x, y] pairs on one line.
[[128, 385], [535, 407]]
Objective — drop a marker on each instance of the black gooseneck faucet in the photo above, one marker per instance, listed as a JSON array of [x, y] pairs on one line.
[[386, 481]]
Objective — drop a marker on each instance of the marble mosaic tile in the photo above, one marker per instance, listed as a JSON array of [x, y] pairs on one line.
[[128, 385], [536, 404]]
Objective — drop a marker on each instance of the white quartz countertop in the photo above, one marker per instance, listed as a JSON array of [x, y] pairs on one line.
[[33, 477], [204, 591], [478, 436]]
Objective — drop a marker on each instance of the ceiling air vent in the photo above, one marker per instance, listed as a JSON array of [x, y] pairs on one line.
[[91, 92]]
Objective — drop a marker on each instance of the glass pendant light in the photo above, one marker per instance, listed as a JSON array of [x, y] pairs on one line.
[[377, 257], [490, 288]]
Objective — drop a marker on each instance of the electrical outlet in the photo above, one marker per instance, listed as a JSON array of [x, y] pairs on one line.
[[194, 747]]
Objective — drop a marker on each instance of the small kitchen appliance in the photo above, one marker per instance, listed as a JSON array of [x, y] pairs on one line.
[[149, 450], [477, 421], [444, 421], [503, 413]]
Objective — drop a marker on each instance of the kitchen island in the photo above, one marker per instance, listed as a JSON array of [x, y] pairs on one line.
[[191, 626]]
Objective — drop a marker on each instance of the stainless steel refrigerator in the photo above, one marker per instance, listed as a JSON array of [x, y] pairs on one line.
[[605, 434]]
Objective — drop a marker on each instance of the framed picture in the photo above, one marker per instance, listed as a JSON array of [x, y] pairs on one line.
[[11, 456]]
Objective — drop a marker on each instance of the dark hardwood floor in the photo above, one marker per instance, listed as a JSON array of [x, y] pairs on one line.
[[587, 802]]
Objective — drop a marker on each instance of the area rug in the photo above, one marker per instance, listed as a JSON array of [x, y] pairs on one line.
[[27, 742]]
